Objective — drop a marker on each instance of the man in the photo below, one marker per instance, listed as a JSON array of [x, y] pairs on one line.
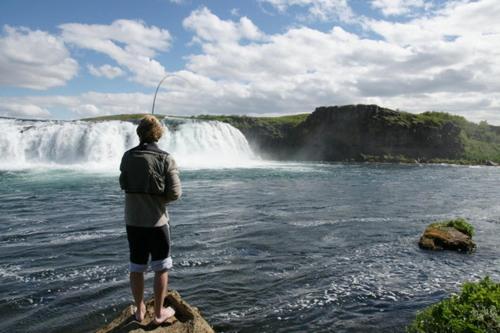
[[150, 179]]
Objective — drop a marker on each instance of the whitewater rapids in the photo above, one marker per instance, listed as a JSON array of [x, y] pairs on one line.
[[100, 145]]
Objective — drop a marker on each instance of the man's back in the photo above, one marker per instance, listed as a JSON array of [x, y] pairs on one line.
[[150, 178]]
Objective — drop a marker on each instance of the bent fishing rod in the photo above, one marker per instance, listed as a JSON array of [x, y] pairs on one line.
[[158, 88]]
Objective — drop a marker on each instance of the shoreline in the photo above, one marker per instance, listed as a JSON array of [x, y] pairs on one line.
[[397, 161]]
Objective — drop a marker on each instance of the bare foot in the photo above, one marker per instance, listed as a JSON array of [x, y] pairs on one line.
[[165, 314], [140, 312]]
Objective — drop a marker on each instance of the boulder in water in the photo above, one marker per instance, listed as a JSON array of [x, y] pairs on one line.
[[448, 235], [447, 238], [187, 319]]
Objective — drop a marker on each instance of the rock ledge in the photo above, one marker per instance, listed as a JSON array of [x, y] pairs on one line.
[[187, 319]]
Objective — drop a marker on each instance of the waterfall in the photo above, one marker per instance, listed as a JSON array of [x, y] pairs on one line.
[[100, 145]]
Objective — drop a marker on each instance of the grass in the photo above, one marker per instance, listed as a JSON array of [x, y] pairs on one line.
[[289, 120], [475, 310], [460, 224], [122, 117]]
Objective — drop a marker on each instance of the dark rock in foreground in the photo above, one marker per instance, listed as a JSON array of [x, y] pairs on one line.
[[187, 319], [439, 237]]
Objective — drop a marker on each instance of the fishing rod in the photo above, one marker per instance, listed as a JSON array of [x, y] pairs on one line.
[[158, 88]]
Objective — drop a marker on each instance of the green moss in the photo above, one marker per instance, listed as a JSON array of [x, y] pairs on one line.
[[460, 224], [475, 310]]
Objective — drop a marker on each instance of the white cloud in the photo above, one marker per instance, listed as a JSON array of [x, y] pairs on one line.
[[295, 70], [23, 110], [88, 104], [107, 71], [324, 10], [460, 20], [211, 28], [87, 110], [417, 65], [457, 49], [34, 59], [398, 7], [235, 11], [130, 43]]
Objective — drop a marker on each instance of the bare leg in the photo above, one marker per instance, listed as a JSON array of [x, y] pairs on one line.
[[160, 288], [137, 286]]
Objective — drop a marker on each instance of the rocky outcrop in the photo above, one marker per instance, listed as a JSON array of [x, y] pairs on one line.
[[187, 319], [354, 132], [438, 237]]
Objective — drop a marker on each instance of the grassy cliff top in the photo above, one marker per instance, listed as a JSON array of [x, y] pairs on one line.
[[122, 117], [391, 117], [289, 120]]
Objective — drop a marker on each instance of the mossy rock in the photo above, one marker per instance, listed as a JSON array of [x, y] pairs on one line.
[[475, 310], [448, 235]]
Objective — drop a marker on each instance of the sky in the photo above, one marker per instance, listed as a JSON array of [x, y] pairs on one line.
[[74, 59]]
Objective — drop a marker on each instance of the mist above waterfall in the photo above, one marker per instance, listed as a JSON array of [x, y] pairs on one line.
[[100, 145]]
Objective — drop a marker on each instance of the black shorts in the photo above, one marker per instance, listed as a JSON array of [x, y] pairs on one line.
[[144, 242]]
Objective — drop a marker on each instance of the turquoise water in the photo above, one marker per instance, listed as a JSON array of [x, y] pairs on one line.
[[291, 247]]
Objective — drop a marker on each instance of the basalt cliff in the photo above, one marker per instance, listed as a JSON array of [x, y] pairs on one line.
[[370, 133]]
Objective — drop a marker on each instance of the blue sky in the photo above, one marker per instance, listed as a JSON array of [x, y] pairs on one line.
[[74, 59]]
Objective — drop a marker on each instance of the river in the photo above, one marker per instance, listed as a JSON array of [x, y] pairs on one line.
[[258, 246]]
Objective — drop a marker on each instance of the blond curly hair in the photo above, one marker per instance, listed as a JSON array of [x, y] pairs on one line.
[[150, 129]]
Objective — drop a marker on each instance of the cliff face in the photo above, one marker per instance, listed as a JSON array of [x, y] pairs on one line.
[[356, 131], [369, 133], [270, 137], [271, 141]]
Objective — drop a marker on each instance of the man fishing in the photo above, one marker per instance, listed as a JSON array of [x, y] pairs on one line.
[[150, 178]]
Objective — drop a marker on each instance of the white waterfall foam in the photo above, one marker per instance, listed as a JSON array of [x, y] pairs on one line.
[[100, 145]]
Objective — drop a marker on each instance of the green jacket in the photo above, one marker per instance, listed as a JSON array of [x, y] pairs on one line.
[[150, 178]]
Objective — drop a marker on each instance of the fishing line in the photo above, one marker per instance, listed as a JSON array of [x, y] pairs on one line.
[[158, 88]]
